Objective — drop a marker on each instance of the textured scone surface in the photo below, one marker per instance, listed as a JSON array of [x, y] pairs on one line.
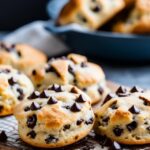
[[138, 20], [75, 70], [126, 119], [21, 56], [14, 87], [58, 116], [90, 13]]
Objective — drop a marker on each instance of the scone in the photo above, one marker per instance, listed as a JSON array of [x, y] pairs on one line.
[[126, 118], [138, 20], [75, 70], [14, 87], [21, 56], [56, 117], [90, 13]]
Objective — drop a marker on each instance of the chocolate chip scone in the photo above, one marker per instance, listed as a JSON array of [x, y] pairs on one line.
[[21, 56], [75, 70], [138, 20], [90, 13], [56, 117], [126, 117], [14, 87]]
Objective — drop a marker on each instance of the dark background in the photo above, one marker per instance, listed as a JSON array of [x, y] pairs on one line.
[[14, 13]]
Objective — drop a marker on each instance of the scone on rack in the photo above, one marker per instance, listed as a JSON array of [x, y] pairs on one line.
[[14, 87], [75, 70], [21, 56], [138, 20], [56, 117], [90, 13], [126, 117]]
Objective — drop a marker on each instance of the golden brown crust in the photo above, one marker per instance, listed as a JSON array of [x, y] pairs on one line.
[[138, 20], [91, 16], [14, 87], [52, 118], [74, 70], [77, 59], [125, 119], [21, 56]]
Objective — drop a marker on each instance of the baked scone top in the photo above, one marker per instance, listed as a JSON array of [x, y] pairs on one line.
[[90, 13], [126, 119], [14, 87], [58, 116], [138, 20], [73, 69], [21, 56]]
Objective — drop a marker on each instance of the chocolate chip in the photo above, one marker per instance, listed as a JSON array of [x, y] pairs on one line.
[[66, 127], [75, 107], [76, 137], [59, 89], [12, 81], [6, 48], [82, 18], [27, 108], [83, 65], [108, 97], [134, 110], [51, 139], [148, 128], [105, 119], [146, 101], [49, 69], [19, 53], [74, 90], [75, 81], [56, 88], [136, 89], [21, 94], [1, 108], [114, 105], [116, 145], [79, 122], [90, 121], [121, 89], [52, 100], [32, 134], [31, 121], [84, 89], [5, 71], [52, 69], [80, 99], [100, 90], [34, 95], [71, 70], [3, 136], [118, 131], [66, 107], [53, 87], [123, 94], [35, 106], [34, 72], [131, 126], [96, 9], [43, 95]]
